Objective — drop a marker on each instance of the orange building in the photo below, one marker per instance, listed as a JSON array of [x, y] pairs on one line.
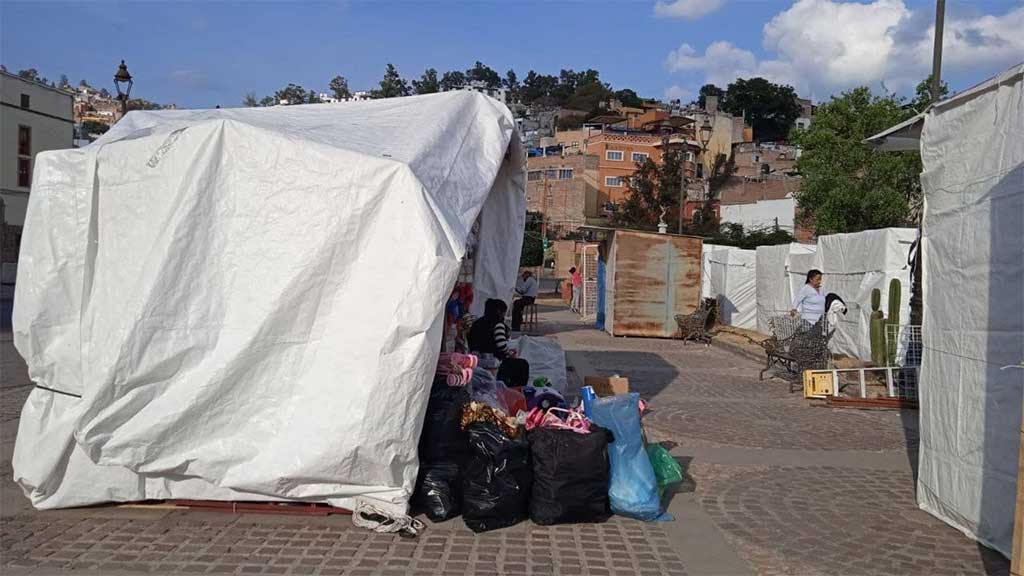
[[617, 157]]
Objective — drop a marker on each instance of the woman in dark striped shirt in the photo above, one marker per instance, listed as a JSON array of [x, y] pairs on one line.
[[489, 334]]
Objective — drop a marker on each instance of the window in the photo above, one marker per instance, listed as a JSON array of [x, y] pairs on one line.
[[533, 175], [565, 174], [574, 144], [25, 101], [24, 140], [640, 156], [551, 174], [613, 181], [614, 155], [24, 172], [700, 170], [696, 218], [689, 156]]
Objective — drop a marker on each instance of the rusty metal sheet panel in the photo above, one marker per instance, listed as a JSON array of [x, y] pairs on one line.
[[656, 277]]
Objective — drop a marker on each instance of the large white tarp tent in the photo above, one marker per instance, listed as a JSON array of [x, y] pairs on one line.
[[852, 266], [248, 304], [972, 149], [775, 266], [732, 278]]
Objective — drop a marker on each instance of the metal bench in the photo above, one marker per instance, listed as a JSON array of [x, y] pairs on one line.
[[693, 326], [797, 345]]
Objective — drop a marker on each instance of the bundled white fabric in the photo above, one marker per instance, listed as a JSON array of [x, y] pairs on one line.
[[546, 359], [972, 149], [732, 274], [853, 265], [774, 268], [247, 304]]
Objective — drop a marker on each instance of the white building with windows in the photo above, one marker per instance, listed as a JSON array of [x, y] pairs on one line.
[[499, 94], [33, 118]]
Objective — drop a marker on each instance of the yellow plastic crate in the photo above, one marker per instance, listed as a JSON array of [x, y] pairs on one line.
[[818, 384]]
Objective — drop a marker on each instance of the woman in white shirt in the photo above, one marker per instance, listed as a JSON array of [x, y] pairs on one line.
[[810, 302]]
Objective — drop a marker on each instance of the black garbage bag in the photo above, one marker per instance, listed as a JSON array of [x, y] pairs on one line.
[[570, 476], [442, 452], [442, 439], [496, 479], [438, 491]]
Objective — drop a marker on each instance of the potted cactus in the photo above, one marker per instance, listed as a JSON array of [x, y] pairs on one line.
[[893, 319]]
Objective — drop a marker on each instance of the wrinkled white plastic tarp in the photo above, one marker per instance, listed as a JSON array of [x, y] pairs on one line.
[[546, 359], [247, 304], [775, 267], [972, 148], [852, 266], [732, 275]]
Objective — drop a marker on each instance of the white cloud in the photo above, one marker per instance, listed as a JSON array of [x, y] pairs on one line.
[[686, 9], [821, 46], [677, 92]]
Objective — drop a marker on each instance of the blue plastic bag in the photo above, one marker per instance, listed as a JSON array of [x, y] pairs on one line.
[[633, 490]]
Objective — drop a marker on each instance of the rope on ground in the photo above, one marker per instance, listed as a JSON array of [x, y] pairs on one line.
[[373, 518]]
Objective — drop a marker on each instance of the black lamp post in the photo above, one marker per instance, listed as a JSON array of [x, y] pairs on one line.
[[123, 84]]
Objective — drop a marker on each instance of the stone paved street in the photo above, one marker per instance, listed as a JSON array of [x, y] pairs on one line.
[[774, 486]]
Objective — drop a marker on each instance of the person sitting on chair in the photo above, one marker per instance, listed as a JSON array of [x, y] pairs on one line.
[[489, 334], [526, 292]]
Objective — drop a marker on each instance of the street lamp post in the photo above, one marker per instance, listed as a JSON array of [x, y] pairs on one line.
[[123, 84]]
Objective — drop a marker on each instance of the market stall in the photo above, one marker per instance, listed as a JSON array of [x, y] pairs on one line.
[[248, 304]]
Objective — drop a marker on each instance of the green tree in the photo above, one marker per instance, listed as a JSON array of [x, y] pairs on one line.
[[483, 73], [142, 104], [64, 83], [771, 109], [511, 83], [538, 87], [710, 90], [628, 98], [339, 87], [94, 127], [31, 74], [533, 245], [392, 85], [313, 98], [250, 100], [292, 94], [923, 94], [267, 101], [847, 187], [652, 189], [428, 82], [452, 80]]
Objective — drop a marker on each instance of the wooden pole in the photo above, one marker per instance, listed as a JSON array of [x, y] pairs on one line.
[[1017, 547]]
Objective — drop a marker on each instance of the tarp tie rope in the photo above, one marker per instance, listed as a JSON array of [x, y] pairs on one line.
[[373, 518], [58, 391]]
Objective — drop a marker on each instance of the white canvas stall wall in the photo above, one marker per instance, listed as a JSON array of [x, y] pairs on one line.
[[774, 291], [247, 304], [762, 214], [972, 149], [733, 278], [705, 268], [853, 265]]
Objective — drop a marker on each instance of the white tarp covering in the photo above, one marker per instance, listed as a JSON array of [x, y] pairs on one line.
[[854, 264], [247, 304], [732, 275], [774, 268], [546, 359], [972, 148]]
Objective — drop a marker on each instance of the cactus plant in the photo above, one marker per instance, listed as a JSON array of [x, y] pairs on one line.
[[878, 349], [893, 319]]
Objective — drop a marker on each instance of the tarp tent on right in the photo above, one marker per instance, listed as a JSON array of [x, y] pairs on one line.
[[972, 149]]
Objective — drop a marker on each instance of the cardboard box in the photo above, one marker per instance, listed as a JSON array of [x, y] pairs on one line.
[[817, 384], [608, 386]]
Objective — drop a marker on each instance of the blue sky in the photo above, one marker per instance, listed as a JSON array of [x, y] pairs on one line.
[[201, 54]]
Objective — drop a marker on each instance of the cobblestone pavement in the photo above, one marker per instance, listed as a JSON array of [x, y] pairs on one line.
[[852, 520], [804, 519]]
